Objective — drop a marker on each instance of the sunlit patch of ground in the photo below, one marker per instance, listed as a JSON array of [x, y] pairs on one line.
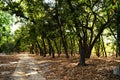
[[67, 69], [7, 66], [27, 69]]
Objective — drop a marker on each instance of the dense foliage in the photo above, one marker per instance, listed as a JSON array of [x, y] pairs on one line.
[[5, 31]]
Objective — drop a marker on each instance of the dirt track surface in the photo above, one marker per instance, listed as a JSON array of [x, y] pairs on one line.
[[27, 69], [33, 67]]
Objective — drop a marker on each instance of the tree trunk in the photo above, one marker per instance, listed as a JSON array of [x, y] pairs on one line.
[[64, 42], [118, 32], [51, 50], [82, 54], [63, 37], [40, 49], [65, 47], [32, 49], [56, 46], [71, 46], [97, 47], [103, 45], [36, 49], [88, 50], [82, 57], [53, 53], [45, 51]]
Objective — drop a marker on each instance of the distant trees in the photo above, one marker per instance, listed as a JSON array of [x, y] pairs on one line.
[[5, 36]]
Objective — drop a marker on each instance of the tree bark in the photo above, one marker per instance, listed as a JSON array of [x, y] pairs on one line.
[[63, 37], [40, 49], [51, 50], [97, 47], [50, 47], [118, 32], [45, 51], [71, 46], [56, 46], [103, 45], [32, 49], [82, 54]]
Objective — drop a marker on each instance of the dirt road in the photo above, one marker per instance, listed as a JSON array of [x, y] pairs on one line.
[[27, 69]]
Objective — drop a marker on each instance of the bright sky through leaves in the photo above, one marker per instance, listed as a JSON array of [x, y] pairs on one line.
[[50, 1]]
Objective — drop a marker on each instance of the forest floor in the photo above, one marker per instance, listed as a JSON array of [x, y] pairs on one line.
[[68, 69], [34, 67], [8, 65]]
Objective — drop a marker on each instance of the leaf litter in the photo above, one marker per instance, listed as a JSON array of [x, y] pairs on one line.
[[7, 66], [67, 69]]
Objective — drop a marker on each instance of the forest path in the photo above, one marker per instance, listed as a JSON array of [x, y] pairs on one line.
[[27, 69]]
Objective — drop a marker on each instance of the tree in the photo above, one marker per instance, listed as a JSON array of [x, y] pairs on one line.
[[114, 29], [91, 18], [21, 39], [118, 28], [5, 33]]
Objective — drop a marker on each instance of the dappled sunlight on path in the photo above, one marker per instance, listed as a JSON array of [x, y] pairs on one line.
[[27, 69]]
